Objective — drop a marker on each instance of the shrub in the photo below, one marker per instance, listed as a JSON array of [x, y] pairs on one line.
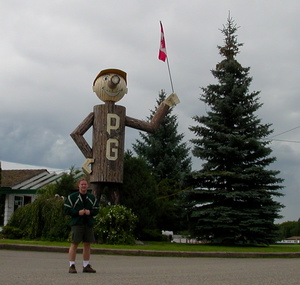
[[115, 225], [42, 219], [11, 232], [56, 223]]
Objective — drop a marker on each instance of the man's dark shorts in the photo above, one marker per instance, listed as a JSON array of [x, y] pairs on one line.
[[82, 233]]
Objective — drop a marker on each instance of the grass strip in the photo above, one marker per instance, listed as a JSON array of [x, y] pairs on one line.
[[167, 246]]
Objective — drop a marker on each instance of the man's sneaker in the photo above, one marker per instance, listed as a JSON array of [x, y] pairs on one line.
[[88, 269], [72, 269]]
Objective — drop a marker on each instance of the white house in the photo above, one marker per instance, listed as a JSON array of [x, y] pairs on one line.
[[291, 240], [20, 186]]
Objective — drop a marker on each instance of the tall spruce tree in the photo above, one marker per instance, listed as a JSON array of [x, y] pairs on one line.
[[170, 164], [233, 195], [2, 200], [164, 150]]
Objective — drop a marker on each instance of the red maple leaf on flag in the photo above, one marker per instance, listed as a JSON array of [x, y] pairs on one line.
[[162, 55]]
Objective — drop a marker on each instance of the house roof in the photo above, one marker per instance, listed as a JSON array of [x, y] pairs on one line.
[[294, 238], [28, 180], [11, 178]]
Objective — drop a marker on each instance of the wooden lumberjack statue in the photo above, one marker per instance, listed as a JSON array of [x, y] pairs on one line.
[[109, 120]]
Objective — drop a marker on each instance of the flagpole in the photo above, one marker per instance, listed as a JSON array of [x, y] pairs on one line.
[[163, 53], [170, 75]]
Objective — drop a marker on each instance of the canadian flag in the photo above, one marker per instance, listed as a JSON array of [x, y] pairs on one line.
[[162, 55]]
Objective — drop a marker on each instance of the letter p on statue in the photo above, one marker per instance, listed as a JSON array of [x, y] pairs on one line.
[[105, 158]]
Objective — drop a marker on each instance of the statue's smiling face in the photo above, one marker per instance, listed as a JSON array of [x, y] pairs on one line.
[[110, 87]]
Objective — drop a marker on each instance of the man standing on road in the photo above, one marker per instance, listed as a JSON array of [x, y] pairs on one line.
[[82, 207]]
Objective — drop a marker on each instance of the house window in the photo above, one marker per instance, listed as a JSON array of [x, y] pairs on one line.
[[21, 201], [27, 200], [18, 202]]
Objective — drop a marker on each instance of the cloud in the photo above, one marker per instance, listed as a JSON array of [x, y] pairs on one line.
[[51, 52]]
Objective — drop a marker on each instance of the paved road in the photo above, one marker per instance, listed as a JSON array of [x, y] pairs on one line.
[[38, 268]]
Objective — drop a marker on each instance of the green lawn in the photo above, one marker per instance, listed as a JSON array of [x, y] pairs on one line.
[[166, 246]]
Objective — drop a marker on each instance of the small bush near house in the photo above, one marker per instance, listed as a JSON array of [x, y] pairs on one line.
[[11, 233], [42, 219], [115, 225]]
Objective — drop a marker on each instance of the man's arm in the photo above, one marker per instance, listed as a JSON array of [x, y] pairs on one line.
[[68, 207]]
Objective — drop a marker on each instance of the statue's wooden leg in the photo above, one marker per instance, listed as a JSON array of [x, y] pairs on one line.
[[106, 192]]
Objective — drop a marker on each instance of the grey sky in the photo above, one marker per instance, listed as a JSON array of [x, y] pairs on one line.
[[51, 52]]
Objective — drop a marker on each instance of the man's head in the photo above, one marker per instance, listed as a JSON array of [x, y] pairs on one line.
[[83, 186], [110, 85]]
